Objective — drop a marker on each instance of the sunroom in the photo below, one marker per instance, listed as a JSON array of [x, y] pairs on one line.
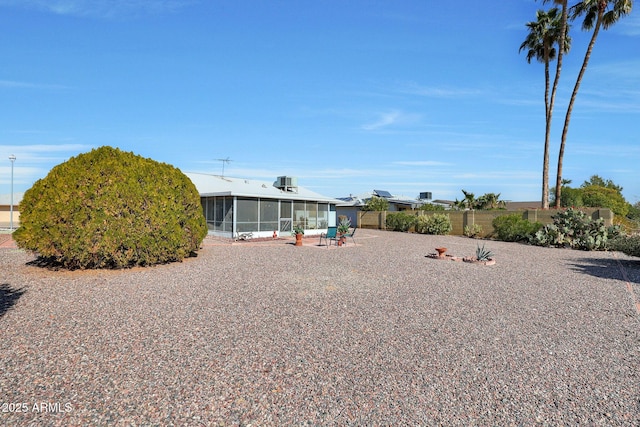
[[236, 208]]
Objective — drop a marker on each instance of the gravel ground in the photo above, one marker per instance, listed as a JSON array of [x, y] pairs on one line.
[[265, 333]]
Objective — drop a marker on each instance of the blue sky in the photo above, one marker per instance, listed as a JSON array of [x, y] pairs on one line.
[[349, 96]]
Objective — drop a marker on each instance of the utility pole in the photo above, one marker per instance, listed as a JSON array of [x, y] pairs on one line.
[[13, 159]]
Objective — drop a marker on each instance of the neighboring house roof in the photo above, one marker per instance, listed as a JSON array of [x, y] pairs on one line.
[[350, 201], [361, 200], [443, 202], [523, 205], [216, 185]]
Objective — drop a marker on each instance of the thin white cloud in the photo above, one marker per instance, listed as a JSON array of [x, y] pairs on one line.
[[12, 84], [100, 8], [439, 92], [630, 25], [44, 148], [43, 153], [343, 173], [421, 163], [392, 118], [627, 71], [384, 120], [34, 161], [507, 176], [20, 174], [611, 87]]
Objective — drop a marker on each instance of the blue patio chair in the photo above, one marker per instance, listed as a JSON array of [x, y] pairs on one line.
[[329, 235]]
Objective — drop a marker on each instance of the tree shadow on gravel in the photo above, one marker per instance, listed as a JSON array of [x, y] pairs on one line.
[[608, 268], [8, 297], [47, 263]]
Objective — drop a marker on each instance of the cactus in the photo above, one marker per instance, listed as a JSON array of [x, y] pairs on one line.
[[483, 254]]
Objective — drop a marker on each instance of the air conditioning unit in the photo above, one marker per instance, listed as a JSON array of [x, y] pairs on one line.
[[286, 183], [425, 195]]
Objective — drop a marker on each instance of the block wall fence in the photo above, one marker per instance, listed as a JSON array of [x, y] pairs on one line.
[[5, 216], [459, 219]]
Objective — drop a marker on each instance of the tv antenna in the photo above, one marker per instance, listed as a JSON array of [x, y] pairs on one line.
[[227, 160]]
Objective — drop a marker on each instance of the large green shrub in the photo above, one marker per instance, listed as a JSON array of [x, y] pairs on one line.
[[434, 224], [514, 228], [400, 221], [574, 229], [111, 209]]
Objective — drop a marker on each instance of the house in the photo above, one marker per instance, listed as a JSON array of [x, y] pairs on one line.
[[350, 206], [236, 207], [5, 210]]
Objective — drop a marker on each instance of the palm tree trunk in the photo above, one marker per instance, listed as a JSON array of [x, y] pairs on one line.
[[567, 118], [545, 161], [547, 137]]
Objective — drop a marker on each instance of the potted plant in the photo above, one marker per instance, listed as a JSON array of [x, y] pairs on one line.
[[298, 231], [343, 228]]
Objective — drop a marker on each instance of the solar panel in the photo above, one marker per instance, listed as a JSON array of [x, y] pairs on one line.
[[382, 193]]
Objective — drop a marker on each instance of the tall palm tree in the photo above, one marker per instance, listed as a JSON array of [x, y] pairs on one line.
[[544, 33], [564, 29], [490, 201], [597, 14]]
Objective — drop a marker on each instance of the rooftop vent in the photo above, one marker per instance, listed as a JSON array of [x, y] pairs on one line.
[[286, 183]]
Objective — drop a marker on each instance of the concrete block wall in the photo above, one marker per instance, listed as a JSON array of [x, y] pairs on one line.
[[459, 219]]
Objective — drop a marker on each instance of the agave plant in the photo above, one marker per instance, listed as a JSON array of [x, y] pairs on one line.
[[483, 254]]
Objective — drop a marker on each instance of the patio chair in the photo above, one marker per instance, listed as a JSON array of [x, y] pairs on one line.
[[329, 235], [353, 232]]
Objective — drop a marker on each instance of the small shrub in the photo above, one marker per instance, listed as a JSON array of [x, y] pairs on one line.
[[437, 223], [626, 224], [400, 221], [514, 228], [629, 245], [111, 209], [472, 231]]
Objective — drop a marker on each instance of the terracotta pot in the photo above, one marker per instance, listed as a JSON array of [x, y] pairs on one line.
[[298, 239], [441, 251]]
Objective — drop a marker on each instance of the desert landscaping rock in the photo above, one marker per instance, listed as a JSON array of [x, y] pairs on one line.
[[265, 333]]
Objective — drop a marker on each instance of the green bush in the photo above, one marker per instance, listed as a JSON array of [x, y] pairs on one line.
[[431, 207], [472, 231], [400, 221], [434, 224], [514, 228], [376, 203], [575, 229], [630, 245], [111, 209]]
